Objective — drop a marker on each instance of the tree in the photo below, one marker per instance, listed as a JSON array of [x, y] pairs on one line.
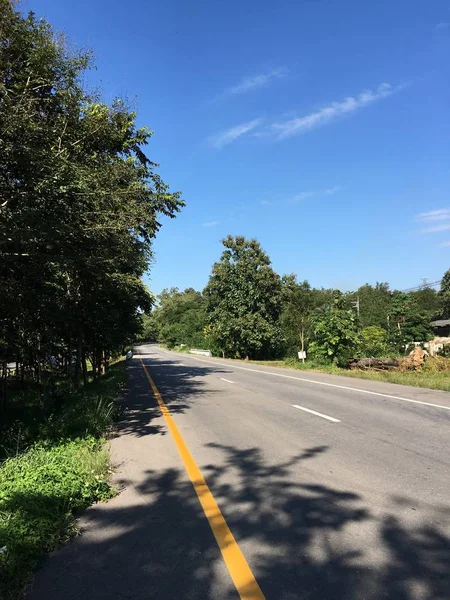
[[244, 300], [181, 317], [336, 335], [79, 205], [374, 341], [407, 322], [373, 304], [444, 294], [298, 300], [430, 301]]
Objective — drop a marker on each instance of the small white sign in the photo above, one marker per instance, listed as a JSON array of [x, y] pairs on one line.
[[302, 354]]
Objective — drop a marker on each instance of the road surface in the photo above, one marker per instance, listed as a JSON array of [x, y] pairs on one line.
[[333, 488]]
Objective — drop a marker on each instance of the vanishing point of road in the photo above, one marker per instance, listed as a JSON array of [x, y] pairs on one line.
[[244, 481]]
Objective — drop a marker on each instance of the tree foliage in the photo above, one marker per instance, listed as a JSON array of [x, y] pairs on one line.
[[374, 341], [79, 205], [180, 317], [244, 300], [407, 322], [444, 294], [336, 335], [373, 304]]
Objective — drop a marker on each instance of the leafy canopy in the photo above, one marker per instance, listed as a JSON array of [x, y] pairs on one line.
[[244, 300]]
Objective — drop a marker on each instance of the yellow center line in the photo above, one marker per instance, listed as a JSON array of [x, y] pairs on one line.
[[241, 574]]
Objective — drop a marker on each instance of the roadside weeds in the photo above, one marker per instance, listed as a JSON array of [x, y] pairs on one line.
[[50, 473]]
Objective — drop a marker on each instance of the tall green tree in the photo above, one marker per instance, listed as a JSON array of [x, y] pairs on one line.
[[407, 322], [430, 301], [444, 294], [374, 304], [298, 301], [181, 317], [244, 300], [336, 336], [80, 203]]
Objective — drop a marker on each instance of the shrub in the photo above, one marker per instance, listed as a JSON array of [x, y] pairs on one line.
[[436, 364], [445, 351], [374, 342], [39, 492], [56, 465]]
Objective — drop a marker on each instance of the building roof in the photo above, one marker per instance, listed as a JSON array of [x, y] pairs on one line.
[[441, 323]]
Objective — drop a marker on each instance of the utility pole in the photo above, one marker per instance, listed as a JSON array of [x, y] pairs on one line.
[[356, 305]]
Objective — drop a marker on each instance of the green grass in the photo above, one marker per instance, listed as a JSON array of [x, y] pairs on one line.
[[55, 467], [426, 378]]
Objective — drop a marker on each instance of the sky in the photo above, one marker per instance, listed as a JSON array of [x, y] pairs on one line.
[[320, 127]]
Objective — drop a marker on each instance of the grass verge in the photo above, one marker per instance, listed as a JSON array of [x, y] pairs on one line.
[[53, 469], [425, 378]]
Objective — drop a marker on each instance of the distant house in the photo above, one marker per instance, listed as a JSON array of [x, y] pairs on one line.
[[442, 336], [442, 327]]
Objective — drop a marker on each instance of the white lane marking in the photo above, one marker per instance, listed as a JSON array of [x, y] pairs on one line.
[[335, 385], [318, 414], [227, 380]]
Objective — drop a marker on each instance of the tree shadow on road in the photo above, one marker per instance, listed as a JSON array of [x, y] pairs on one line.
[[292, 532], [304, 541], [179, 385]]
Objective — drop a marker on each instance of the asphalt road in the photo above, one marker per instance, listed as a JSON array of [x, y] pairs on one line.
[[350, 501]]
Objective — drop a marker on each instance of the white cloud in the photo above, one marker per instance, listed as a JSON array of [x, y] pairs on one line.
[[226, 137], [211, 223], [436, 228], [442, 214], [331, 112], [253, 82], [443, 25], [266, 203], [445, 244], [327, 192], [302, 196], [332, 190]]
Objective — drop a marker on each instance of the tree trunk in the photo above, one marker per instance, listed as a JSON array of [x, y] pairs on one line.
[[302, 339], [380, 364], [83, 364], [78, 365], [69, 357], [4, 367], [94, 367]]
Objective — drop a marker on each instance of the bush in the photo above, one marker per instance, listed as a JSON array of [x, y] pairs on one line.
[[374, 342], [57, 465], [39, 492], [435, 364], [445, 351]]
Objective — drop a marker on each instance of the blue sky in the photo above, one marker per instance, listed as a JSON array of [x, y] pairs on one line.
[[320, 127]]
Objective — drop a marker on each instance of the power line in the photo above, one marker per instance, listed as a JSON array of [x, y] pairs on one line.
[[424, 285]]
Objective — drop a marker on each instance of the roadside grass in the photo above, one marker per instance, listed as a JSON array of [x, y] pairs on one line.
[[55, 464], [428, 377]]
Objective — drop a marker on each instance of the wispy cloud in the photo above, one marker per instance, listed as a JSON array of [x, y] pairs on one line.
[[211, 223], [226, 137], [300, 125], [332, 190], [266, 203], [441, 214], [333, 111], [315, 193], [436, 228], [253, 82], [302, 196], [443, 25], [445, 244]]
